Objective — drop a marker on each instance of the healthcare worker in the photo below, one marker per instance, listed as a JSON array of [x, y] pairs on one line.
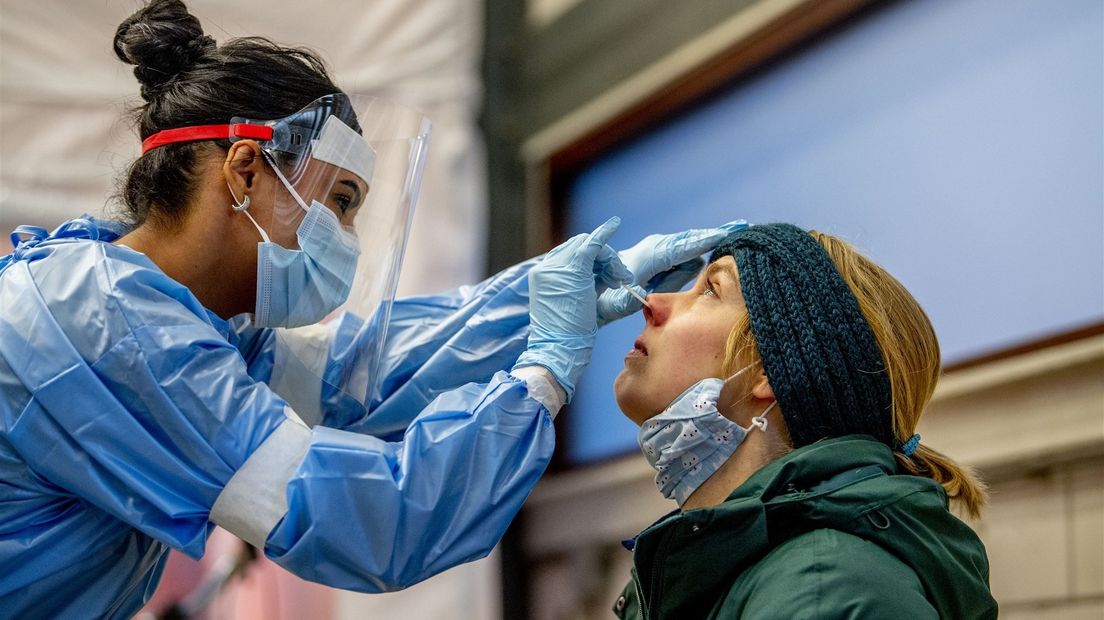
[[167, 373]]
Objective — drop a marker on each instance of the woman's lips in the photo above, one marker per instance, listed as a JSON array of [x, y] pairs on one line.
[[639, 350]]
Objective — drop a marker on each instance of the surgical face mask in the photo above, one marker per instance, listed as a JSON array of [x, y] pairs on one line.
[[690, 440], [300, 287]]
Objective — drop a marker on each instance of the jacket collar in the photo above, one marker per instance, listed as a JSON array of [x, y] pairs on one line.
[[680, 553], [686, 562]]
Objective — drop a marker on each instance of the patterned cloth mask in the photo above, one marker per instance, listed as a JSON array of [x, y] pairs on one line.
[[690, 440]]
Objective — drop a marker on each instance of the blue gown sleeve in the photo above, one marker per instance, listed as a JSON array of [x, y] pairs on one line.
[[434, 343], [142, 409], [442, 496], [135, 405]]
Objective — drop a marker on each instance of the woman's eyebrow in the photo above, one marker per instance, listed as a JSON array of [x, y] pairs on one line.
[[718, 267], [355, 187]]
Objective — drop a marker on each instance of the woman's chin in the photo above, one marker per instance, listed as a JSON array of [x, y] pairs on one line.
[[629, 399]]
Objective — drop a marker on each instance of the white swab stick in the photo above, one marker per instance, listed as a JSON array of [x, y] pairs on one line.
[[635, 294]]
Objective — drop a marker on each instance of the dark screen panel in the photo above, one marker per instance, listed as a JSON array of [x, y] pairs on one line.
[[958, 143]]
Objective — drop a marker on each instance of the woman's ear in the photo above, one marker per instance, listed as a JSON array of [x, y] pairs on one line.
[[243, 164], [762, 388]]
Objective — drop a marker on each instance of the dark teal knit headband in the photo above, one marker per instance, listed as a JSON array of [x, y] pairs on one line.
[[818, 351]]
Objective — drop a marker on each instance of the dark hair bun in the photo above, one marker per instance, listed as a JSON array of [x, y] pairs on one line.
[[163, 39]]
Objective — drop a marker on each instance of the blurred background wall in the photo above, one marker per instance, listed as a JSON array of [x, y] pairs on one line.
[[958, 142]]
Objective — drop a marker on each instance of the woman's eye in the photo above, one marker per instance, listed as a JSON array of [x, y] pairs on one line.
[[342, 202]]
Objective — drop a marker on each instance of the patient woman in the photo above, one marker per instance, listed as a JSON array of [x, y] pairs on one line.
[[778, 401]]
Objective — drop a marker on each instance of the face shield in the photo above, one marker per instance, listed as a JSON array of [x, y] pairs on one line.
[[349, 170]]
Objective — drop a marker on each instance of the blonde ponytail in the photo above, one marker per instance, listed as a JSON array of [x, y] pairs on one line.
[[962, 484], [911, 354]]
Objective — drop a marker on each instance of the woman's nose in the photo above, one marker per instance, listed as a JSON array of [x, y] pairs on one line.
[[658, 308]]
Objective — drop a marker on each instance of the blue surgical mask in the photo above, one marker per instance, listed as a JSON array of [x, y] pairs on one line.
[[300, 287], [690, 440]]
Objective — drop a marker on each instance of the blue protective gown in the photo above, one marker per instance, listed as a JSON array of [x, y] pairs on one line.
[[126, 408]]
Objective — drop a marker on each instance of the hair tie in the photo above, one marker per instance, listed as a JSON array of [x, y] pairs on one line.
[[909, 447]]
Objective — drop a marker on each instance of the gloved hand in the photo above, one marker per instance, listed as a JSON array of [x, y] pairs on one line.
[[662, 264], [563, 299]]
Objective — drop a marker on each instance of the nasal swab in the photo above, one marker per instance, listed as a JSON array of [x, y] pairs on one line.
[[636, 295]]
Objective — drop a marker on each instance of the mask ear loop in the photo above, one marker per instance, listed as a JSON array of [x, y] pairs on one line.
[[761, 419], [242, 207], [733, 376], [284, 181], [741, 400], [738, 373]]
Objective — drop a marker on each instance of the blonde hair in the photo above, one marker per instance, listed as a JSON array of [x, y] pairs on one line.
[[910, 351]]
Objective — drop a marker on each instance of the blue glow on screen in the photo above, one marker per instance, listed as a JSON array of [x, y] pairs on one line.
[[959, 143]]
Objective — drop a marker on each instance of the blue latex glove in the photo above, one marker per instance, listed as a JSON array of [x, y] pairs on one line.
[[662, 264], [563, 299]]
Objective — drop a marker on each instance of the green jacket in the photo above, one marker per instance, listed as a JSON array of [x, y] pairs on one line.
[[828, 531]]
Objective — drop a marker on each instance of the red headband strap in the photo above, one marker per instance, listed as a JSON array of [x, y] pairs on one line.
[[206, 132]]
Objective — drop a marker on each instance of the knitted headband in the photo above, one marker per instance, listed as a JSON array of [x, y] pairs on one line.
[[818, 351]]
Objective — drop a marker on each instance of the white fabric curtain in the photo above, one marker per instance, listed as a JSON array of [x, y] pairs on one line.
[[63, 94]]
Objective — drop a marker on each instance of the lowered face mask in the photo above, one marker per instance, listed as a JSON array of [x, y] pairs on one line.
[[690, 440]]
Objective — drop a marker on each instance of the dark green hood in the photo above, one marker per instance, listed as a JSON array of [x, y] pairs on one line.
[[687, 561]]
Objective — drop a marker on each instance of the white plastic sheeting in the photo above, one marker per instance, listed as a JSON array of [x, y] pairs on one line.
[[64, 139], [63, 94]]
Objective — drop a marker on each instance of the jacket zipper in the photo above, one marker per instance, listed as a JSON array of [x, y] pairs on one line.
[[639, 597], [653, 576]]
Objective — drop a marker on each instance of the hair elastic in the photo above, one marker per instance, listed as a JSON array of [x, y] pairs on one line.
[[909, 447]]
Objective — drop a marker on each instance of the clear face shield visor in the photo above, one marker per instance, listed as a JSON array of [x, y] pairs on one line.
[[348, 171]]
